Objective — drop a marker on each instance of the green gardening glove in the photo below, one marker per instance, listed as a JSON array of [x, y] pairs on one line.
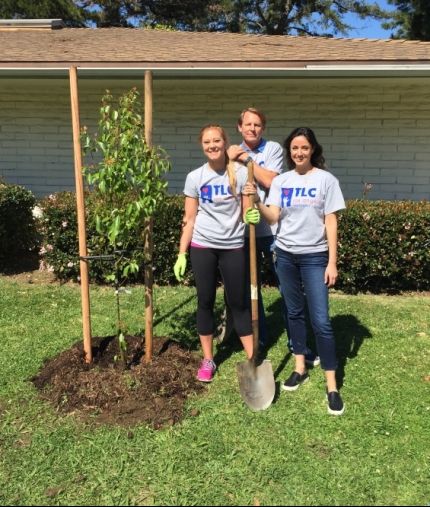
[[251, 216], [180, 266]]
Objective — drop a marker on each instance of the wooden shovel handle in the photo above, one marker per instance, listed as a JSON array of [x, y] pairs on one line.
[[253, 271]]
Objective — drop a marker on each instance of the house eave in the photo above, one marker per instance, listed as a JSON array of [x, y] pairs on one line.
[[187, 71]]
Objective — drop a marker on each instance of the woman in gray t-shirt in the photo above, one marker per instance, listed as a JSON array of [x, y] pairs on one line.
[[304, 202], [213, 231]]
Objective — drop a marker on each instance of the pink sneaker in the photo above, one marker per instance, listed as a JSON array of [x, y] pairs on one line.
[[206, 371]]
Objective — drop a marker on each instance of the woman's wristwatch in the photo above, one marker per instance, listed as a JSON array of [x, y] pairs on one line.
[[247, 160]]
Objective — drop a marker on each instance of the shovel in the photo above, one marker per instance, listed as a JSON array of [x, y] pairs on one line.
[[256, 381]]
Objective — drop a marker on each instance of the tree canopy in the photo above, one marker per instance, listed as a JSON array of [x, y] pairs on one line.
[[67, 10], [275, 17], [411, 20]]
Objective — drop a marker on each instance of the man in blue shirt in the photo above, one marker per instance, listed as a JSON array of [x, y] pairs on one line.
[[268, 158]]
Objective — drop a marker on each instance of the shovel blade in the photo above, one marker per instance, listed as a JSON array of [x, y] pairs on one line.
[[256, 384]]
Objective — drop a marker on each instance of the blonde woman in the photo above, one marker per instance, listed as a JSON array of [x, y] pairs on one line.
[[213, 233]]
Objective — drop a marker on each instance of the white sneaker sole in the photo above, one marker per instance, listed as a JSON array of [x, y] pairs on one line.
[[294, 388], [336, 412], [315, 362]]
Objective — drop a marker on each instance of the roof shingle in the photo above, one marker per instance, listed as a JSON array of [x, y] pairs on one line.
[[125, 46]]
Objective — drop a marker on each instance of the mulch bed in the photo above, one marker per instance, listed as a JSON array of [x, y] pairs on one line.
[[106, 392]]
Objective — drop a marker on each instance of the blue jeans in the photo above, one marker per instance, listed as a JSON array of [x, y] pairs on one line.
[[306, 271]]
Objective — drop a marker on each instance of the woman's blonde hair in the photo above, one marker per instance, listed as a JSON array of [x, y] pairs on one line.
[[230, 164]]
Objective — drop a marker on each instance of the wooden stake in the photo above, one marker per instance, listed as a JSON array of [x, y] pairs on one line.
[[80, 205], [148, 243], [148, 107]]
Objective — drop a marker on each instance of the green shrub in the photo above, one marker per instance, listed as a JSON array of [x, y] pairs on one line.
[[60, 247], [384, 246], [18, 234], [59, 231], [167, 232]]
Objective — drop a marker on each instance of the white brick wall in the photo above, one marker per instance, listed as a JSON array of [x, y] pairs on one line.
[[372, 130]]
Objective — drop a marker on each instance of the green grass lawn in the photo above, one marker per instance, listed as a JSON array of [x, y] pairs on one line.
[[294, 453]]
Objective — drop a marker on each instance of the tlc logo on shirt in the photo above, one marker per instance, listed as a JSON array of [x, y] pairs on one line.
[[209, 193], [288, 193]]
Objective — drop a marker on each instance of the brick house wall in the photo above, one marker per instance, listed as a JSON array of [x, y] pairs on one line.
[[373, 130]]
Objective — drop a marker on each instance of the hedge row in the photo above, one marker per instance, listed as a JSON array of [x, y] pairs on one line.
[[383, 245], [18, 234], [60, 248]]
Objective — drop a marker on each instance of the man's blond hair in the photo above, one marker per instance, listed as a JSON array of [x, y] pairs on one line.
[[252, 110]]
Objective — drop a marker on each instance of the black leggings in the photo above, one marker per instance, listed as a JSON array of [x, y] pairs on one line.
[[231, 264]]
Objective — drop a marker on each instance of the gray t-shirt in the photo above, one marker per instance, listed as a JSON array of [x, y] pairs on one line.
[[268, 154], [219, 217], [304, 201]]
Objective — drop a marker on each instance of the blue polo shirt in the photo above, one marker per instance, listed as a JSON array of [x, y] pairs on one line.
[[270, 155]]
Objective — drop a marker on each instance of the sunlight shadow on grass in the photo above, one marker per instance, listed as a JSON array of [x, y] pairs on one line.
[[173, 311], [350, 335]]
